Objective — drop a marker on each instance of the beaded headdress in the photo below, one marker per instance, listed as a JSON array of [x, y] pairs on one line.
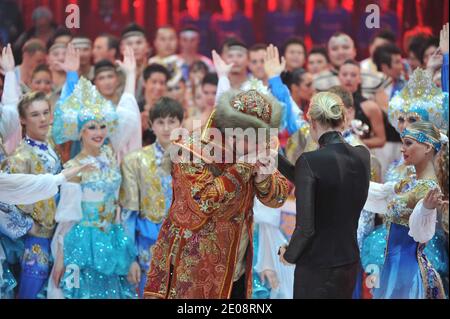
[[247, 109], [422, 137], [85, 104], [422, 98]]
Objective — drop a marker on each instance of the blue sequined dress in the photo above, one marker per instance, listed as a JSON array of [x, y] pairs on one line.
[[96, 247]]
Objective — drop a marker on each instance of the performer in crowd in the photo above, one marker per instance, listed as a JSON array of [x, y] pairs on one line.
[[89, 233], [146, 190], [410, 210], [408, 107]]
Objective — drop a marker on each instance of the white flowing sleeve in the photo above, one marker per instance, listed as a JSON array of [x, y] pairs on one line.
[[223, 86], [422, 223], [267, 219], [69, 206], [379, 197], [128, 136], [10, 129], [25, 189]]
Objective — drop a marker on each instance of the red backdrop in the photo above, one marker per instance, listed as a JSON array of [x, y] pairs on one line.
[[151, 13]]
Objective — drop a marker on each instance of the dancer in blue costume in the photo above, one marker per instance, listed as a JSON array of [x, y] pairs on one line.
[[410, 210], [34, 155], [420, 100], [94, 258], [146, 191]]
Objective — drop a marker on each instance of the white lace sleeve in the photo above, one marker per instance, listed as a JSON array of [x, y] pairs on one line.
[[422, 223], [24, 189], [128, 136], [379, 197]]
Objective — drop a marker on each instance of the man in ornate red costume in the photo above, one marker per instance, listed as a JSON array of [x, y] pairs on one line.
[[204, 249]]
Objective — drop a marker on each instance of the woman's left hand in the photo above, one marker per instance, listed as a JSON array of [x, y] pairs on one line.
[[134, 274], [433, 199]]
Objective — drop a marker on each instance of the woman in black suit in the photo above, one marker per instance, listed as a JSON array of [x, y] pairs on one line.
[[331, 186]]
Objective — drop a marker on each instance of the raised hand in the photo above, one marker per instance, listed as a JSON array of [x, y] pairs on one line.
[[222, 68], [128, 65], [443, 43], [435, 61], [272, 64], [7, 59], [72, 59]]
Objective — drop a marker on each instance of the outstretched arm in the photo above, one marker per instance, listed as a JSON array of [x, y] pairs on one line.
[[26, 189]]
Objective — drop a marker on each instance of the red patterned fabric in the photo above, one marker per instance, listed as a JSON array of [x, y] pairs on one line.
[[201, 235]]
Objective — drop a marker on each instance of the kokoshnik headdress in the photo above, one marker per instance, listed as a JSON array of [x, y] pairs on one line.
[[85, 104], [421, 98]]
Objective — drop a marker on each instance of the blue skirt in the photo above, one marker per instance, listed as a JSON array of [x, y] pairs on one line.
[[406, 273], [436, 250], [97, 263]]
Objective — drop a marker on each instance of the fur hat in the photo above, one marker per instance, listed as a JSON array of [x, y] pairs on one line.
[[248, 109]]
